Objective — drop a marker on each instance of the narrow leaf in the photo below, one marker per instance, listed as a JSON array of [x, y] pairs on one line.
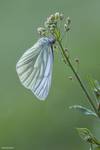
[[87, 136], [95, 87], [97, 148], [83, 110]]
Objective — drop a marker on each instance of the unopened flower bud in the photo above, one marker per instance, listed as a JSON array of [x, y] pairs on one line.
[[97, 93], [67, 24], [57, 15], [66, 27], [68, 21], [52, 17], [51, 29], [66, 49], [67, 52], [77, 60], [41, 30], [52, 26], [46, 24], [70, 78], [61, 16]]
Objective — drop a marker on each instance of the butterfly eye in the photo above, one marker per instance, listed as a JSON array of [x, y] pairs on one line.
[[52, 40]]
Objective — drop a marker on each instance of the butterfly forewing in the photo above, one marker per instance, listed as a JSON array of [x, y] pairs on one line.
[[35, 68]]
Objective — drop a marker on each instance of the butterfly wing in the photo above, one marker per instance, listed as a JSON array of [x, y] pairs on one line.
[[42, 86], [35, 69]]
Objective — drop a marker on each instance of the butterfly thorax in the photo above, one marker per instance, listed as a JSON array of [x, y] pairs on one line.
[[46, 41]]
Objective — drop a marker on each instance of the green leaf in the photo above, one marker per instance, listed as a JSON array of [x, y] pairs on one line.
[[97, 148], [95, 87], [83, 110], [87, 136]]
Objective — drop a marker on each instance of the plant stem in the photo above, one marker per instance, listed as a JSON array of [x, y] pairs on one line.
[[91, 147], [78, 78]]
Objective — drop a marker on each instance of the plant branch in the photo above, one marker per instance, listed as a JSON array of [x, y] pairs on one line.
[[78, 78]]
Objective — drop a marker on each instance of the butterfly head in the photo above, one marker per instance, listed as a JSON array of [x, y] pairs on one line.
[[52, 40]]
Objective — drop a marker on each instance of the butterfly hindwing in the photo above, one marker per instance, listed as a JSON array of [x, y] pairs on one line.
[[41, 88]]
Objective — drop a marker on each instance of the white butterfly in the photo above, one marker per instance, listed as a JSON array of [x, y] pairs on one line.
[[35, 67]]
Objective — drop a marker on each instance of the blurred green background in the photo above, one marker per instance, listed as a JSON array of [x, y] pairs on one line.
[[25, 122]]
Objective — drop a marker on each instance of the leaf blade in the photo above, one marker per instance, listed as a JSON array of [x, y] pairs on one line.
[[83, 110]]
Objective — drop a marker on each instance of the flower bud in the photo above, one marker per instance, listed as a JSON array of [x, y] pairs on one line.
[[70, 78], [61, 16], [57, 15], [68, 21], [67, 52], [77, 60], [52, 17], [46, 24], [51, 29], [97, 93], [66, 27], [41, 31]]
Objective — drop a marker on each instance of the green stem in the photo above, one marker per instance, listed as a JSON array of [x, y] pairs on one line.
[[78, 78], [91, 147]]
